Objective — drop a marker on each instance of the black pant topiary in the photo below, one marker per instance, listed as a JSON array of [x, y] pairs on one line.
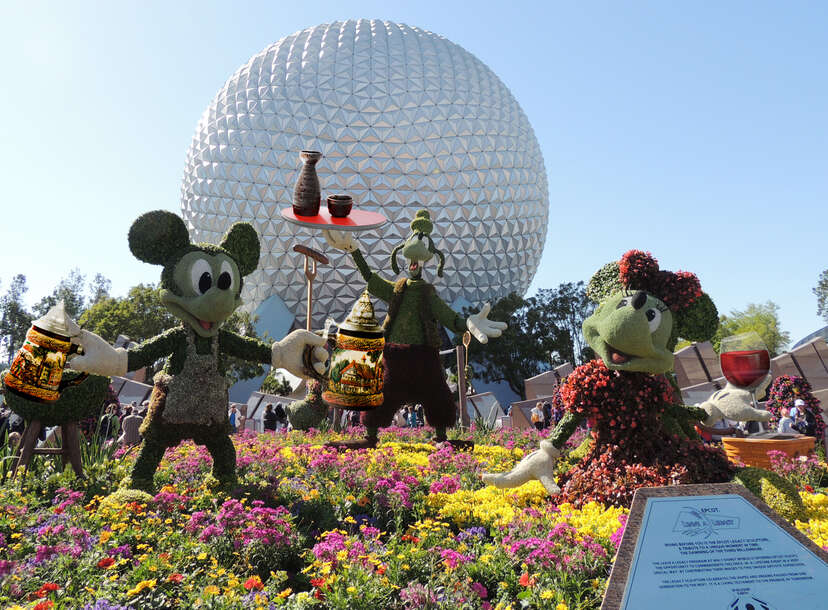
[[413, 375]]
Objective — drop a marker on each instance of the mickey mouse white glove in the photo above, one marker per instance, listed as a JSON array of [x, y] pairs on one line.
[[341, 240], [482, 328], [98, 357], [288, 353]]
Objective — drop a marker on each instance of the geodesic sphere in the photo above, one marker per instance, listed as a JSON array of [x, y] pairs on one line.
[[405, 119]]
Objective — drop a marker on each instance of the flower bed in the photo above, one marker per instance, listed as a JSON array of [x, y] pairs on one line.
[[402, 526]]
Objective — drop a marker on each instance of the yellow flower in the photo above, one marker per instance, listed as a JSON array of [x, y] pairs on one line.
[[351, 590], [211, 590], [144, 584], [285, 593], [201, 556], [547, 594], [105, 535], [562, 606]]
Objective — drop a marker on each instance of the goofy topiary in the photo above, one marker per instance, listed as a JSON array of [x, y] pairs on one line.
[[641, 435], [413, 373], [201, 285]]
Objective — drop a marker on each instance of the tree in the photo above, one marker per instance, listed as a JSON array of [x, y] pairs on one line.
[[140, 315], [275, 383], [762, 318], [237, 369], [14, 319], [821, 292], [70, 291], [544, 331], [99, 289], [561, 313]]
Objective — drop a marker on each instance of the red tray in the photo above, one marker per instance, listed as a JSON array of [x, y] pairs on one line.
[[357, 220]]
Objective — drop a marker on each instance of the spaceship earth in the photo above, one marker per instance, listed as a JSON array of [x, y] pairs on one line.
[[406, 119]]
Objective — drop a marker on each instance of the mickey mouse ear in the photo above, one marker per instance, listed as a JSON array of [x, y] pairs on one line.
[[699, 321], [604, 283], [155, 237]]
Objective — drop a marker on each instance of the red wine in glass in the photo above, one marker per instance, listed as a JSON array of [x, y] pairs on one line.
[[745, 368]]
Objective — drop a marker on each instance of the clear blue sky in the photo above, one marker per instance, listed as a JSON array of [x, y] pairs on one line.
[[698, 131]]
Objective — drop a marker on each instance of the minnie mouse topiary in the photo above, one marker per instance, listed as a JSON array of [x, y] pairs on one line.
[[641, 434]]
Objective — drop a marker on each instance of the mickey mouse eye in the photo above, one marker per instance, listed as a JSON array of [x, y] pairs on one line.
[[225, 280], [201, 276], [622, 303], [653, 319]]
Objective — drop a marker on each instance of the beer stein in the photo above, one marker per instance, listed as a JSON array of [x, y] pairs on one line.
[[37, 370], [357, 366]]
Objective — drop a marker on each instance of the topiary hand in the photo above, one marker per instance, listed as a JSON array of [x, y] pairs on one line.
[[289, 353], [735, 404], [538, 465], [482, 328], [341, 240], [98, 356]]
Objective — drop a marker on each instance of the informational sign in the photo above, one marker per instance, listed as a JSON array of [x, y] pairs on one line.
[[715, 547]]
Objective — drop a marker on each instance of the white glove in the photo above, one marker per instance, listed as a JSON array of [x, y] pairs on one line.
[[482, 328], [98, 357], [538, 465], [341, 240], [735, 404], [288, 353]]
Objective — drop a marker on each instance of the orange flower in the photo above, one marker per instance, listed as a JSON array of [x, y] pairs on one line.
[[254, 582], [44, 605], [526, 580], [175, 577]]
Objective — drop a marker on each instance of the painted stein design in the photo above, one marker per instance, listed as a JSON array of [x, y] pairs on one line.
[[36, 372], [357, 365], [307, 194]]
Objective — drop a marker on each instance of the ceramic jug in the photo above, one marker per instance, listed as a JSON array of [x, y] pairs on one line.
[[357, 366], [37, 370]]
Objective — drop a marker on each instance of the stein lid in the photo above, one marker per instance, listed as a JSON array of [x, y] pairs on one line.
[[58, 321], [362, 316]]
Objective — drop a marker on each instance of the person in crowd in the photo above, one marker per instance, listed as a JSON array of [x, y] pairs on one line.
[[547, 414], [785, 422], [353, 418], [537, 415], [420, 415], [281, 416], [269, 419], [557, 414], [131, 425], [14, 439], [233, 415], [399, 418], [410, 416], [797, 409], [109, 427]]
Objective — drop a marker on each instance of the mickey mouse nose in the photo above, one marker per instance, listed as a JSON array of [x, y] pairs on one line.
[[639, 299]]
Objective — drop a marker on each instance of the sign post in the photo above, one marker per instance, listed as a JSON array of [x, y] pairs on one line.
[[716, 547]]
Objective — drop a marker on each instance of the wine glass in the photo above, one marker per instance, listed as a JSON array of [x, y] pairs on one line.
[[745, 361]]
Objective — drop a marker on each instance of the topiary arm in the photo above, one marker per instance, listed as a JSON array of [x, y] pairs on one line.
[[445, 314], [157, 347], [244, 348], [568, 424], [380, 288]]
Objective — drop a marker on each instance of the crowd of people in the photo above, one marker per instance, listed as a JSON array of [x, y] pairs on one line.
[[543, 415], [121, 423]]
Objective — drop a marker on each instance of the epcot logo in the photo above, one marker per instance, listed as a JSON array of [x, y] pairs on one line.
[[405, 119]]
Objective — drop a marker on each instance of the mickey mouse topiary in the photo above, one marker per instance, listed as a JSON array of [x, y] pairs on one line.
[[201, 285]]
